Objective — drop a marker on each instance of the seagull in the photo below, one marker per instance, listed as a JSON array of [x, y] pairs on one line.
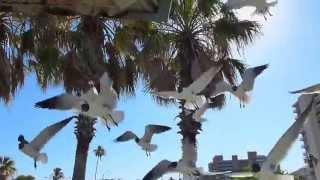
[[145, 141], [241, 91], [166, 166], [315, 89], [190, 93], [96, 102], [262, 6], [281, 148], [33, 148]]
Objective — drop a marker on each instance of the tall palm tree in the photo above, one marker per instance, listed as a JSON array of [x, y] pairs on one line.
[[7, 167], [99, 153], [57, 174], [176, 52], [68, 50]]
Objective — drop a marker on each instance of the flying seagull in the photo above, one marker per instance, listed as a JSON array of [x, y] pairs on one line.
[[262, 6], [190, 93], [90, 103], [315, 89], [165, 166], [281, 148], [145, 141], [241, 91], [33, 148]]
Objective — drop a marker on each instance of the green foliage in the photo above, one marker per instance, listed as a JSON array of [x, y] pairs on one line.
[[7, 166], [25, 177]]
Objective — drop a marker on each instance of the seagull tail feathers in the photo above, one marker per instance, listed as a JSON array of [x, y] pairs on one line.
[[151, 147], [246, 98], [43, 158]]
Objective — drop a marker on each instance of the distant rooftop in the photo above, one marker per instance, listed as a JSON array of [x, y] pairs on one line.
[[235, 164], [152, 10]]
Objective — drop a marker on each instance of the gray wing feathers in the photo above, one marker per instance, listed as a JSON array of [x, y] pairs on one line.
[[259, 69], [202, 82], [280, 150], [154, 129], [46, 134], [63, 102], [307, 90], [128, 135], [159, 170]]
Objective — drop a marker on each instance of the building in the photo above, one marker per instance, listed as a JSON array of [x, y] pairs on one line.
[[310, 137], [151, 10], [303, 174], [235, 164]]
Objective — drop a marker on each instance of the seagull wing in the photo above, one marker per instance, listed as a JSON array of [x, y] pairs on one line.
[[108, 94], [153, 129], [202, 82], [308, 90], [238, 4], [221, 87], [250, 75], [281, 148], [159, 170], [167, 94], [46, 134], [128, 135], [64, 101], [105, 81]]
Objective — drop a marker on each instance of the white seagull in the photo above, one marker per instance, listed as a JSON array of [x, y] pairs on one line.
[[165, 166], [145, 141], [241, 91], [99, 102], [190, 93], [315, 89], [281, 148], [33, 148], [262, 6]]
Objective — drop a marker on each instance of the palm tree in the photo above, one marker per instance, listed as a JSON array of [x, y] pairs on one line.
[[7, 167], [57, 174], [175, 53], [23, 177], [99, 153], [65, 50]]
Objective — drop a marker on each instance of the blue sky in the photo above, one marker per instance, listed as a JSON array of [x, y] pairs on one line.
[[290, 44]]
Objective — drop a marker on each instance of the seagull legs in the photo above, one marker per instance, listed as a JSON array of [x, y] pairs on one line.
[[113, 121], [148, 154]]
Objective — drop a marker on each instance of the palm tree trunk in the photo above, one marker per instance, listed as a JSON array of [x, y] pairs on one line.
[[84, 132], [95, 174], [189, 128]]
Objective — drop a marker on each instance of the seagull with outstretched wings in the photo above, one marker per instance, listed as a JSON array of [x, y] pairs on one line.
[[145, 141], [315, 89], [191, 93], [241, 91], [304, 105], [33, 148], [98, 102], [262, 6], [165, 166]]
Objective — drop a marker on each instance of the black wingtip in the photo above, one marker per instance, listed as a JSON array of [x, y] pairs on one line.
[[48, 103]]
